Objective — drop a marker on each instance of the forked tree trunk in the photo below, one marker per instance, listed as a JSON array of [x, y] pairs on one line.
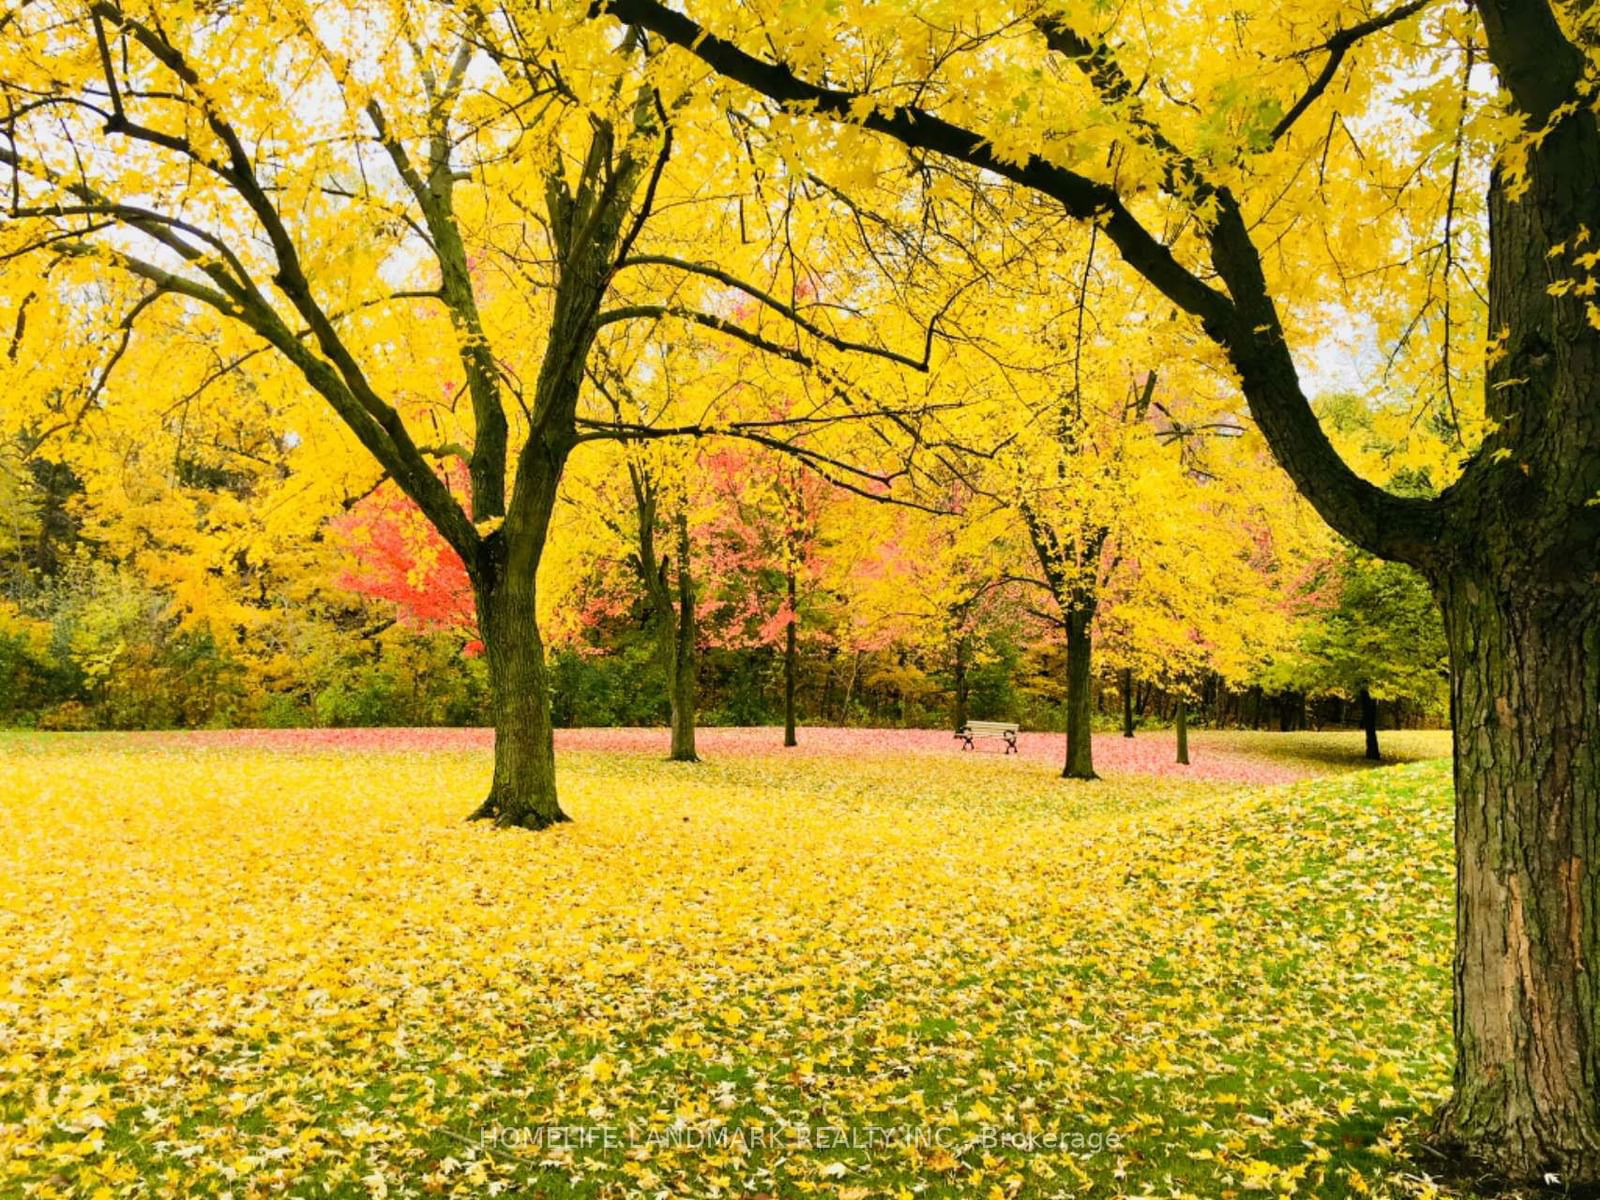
[[1080, 701], [523, 792], [1183, 731], [1369, 723], [1127, 702], [790, 666]]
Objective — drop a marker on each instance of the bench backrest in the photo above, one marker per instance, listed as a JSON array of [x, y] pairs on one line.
[[991, 727]]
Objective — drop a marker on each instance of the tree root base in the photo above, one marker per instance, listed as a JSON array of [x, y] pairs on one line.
[[1441, 1153], [528, 819]]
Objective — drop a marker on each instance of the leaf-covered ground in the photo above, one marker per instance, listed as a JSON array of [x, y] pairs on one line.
[[233, 970]]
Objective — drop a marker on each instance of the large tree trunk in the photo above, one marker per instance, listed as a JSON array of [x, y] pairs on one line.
[[1369, 723], [1525, 693], [1518, 587], [523, 793], [789, 666], [1080, 701], [1127, 702]]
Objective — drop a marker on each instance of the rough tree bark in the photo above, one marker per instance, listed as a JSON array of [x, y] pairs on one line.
[[1527, 914], [504, 577], [1125, 683]]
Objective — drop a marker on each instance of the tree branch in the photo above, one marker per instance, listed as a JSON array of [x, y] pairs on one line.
[[656, 312], [790, 312], [829, 468], [1337, 47], [1082, 197]]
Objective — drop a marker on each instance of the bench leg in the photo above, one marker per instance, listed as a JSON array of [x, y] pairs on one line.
[[1011, 743], [966, 742]]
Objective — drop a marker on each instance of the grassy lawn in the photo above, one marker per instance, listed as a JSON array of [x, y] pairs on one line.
[[227, 969]]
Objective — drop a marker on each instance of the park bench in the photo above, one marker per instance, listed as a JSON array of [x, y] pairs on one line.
[[989, 729]]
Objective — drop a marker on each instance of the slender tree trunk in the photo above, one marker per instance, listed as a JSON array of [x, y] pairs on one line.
[[850, 687], [523, 793], [1183, 731], [789, 665], [1369, 722], [683, 708], [1127, 702], [961, 684], [669, 592], [1071, 566], [683, 658], [900, 691], [1080, 710]]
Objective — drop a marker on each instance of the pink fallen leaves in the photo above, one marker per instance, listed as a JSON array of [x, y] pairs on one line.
[[1248, 759]]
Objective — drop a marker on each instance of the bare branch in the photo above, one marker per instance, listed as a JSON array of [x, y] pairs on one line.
[[793, 314]]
